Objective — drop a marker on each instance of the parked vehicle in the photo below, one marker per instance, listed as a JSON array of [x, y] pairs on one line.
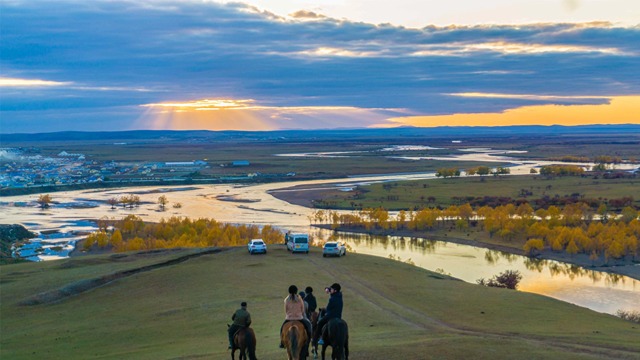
[[257, 246], [297, 242], [333, 248]]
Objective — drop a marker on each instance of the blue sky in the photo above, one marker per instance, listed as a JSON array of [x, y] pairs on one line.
[[121, 65]]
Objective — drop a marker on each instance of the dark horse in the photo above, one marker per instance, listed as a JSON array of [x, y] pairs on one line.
[[245, 341], [334, 334], [294, 338]]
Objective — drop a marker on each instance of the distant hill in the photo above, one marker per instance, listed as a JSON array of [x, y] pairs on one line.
[[168, 135], [8, 235]]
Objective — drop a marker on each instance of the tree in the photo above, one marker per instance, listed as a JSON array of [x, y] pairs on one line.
[[162, 200], [124, 200], [629, 214], [134, 200], [483, 170], [532, 246], [508, 279], [113, 202], [44, 200], [116, 240]]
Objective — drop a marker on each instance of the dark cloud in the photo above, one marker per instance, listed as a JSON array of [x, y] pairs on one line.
[[115, 55]]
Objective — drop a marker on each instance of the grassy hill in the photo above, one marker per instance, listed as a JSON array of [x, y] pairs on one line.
[[175, 304]]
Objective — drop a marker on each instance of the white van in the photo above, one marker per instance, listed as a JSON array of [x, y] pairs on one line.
[[298, 243]]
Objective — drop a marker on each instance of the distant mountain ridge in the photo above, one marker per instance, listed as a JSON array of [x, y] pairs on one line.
[[324, 133]]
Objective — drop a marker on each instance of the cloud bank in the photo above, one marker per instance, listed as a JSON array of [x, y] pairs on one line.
[[94, 65]]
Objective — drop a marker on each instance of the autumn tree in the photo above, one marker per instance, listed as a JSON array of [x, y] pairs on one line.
[[116, 240], [162, 201], [44, 200], [533, 246]]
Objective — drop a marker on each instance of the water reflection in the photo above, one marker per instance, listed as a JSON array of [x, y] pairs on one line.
[[599, 291]]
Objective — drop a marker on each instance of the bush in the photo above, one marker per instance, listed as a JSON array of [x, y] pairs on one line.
[[633, 316], [508, 280]]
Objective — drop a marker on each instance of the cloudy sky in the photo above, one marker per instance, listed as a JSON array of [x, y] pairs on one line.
[[261, 65]]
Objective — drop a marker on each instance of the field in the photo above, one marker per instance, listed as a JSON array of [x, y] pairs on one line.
[[179, 309], [454, 191], [260, 148]]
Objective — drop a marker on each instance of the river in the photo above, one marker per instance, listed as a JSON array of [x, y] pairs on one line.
[[253, 204]]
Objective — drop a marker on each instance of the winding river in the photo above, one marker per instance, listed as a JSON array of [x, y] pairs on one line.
[[255, 205]]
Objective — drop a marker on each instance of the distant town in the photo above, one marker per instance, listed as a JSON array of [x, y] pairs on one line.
[[28, 168]]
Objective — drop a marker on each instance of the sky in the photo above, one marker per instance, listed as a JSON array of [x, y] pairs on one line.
[[110, 65]]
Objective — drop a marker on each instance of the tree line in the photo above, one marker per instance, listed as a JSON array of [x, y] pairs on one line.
[[132, 234], [574, 228]]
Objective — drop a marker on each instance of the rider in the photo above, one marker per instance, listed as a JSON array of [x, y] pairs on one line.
[[306, 305], [311, 300], [294, 310], [333, 310], [241, 318]]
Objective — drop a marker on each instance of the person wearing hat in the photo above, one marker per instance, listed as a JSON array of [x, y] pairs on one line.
[[241, 318], [294, 309], [311, 301], [333, 310]]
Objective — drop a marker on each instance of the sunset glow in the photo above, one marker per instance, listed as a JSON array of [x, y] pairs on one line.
[[282, 64], [620, 110]]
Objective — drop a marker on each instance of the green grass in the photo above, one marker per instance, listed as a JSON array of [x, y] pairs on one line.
[[415, 194], [394, 310]]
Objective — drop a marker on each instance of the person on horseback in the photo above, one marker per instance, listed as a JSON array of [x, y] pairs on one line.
[[294, 310], [311, 300], [241, 318], [333, 310], [306, 305]]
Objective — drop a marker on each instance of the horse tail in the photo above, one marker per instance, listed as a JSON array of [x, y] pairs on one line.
[[294, 339], [250, 340]]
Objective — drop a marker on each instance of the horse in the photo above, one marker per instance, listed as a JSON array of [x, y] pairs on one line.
[[245, 341], [294, 338], [335, 334], [313, 318]]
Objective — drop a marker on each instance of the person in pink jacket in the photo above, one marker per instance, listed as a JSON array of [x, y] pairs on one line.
[[294, 309]]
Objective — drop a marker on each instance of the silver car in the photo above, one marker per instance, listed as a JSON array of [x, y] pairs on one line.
[[333, 248]]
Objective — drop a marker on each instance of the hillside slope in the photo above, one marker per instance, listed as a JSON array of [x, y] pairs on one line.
[[175, 304]]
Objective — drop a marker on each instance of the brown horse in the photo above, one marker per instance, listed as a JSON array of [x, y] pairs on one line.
[[294, 338], [335, 334], [314, 317], [245, 341]]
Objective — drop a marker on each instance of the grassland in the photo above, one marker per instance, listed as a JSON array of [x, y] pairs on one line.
[[178, 310], [453, 191]]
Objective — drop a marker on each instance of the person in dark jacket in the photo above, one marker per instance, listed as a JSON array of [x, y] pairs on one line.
[[311, 300], [333, 310], [241, 318]]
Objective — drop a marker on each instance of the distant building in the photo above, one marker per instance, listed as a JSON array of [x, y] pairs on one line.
[[179, 163], [240, 163]]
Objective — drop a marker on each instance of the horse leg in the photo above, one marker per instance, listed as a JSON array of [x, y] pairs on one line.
[[324, 349], [233, 353], [346, 349]]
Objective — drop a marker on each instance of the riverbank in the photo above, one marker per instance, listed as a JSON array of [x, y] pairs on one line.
[[619, 267]]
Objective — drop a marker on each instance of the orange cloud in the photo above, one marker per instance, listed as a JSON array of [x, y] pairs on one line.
[[247, 114], [619, 110]]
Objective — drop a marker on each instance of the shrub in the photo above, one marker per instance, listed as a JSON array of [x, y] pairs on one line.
[[508, 279], [633, 316]]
